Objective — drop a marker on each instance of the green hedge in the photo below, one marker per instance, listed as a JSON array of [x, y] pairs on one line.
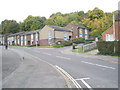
[[63, 43], [109, 47], [78, 40]]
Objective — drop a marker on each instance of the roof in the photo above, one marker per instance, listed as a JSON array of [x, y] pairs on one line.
[[19, 33], [32, 32], [23, 33], [117, 17], [57, 28], [79, 26]]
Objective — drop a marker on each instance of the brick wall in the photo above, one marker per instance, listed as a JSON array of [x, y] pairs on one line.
[[110, 31], [75, 33]]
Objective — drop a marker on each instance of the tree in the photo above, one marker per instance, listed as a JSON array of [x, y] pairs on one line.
[[97, 21], [10, 26], [32, 23], [95, 13], [0, 29]]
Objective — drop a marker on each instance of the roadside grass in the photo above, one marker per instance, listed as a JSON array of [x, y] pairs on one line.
[[78, 50], [65, 86], [41, 47], [16, 46], [31, 46]]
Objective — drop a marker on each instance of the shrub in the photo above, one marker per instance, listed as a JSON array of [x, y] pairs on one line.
[[109, 47], [62, 44], [78, 40]]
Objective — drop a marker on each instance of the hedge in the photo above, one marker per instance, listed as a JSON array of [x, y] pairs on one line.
[[63, 43], [109, 47]]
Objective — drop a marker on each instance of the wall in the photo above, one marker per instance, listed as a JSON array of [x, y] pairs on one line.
[[110, 31], [62, 34], [74, 29]]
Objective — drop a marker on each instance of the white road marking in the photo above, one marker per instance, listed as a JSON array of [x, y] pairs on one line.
[[63, 57], [47, 54], [87, 85], [82, 78], [98, 65], [70, 77]]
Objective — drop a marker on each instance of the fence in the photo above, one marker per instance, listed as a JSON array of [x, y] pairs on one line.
[[89, 46]]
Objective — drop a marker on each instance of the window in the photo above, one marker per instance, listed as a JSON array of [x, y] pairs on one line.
[[109, 37]]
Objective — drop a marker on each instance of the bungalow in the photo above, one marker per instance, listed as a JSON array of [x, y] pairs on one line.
[[78, 31], [113, 33], [50, 34]]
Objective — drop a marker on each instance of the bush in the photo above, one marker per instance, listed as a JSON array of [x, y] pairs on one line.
[[109, 47], [78, 40], [62, 44]]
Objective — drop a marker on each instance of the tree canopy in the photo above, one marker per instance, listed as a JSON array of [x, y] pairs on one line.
[[10, 26], [96, 20]]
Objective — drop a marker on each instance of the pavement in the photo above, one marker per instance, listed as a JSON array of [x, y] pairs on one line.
[[30, 72], [91, 54]]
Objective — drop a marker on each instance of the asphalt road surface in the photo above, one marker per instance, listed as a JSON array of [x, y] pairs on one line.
[[28, 72], [89, 72]]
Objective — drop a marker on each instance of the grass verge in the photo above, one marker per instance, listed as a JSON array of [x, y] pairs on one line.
[[79, 50]]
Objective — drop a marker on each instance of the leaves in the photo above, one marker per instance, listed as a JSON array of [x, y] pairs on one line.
[[96, 20], [10, 26]]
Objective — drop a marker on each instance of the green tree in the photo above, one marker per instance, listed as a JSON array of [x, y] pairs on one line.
[[32, 23], [10, 26]]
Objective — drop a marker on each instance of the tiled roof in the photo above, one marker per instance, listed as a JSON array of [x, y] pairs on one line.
[[79, 26], [32, 32], [57, 28]]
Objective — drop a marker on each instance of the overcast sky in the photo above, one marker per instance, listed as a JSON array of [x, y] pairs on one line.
[[19, 9]]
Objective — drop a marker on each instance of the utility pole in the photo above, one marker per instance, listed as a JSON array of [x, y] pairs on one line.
[[114, 26], [114, 30]]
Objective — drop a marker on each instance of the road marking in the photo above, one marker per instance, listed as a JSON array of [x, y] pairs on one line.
[[87, 85], [69, 76], [63, 57], [82, 78], [98, 65], [47, 54]]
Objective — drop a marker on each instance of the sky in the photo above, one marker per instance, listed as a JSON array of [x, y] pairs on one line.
[[19, 9]]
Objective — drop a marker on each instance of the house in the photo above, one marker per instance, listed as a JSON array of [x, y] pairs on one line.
[[78, 31], [17, 38], [113, 33], [31, 38], [11, 39], [50, 34], [1, 39]]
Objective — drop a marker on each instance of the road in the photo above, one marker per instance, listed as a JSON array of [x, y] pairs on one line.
[[28, 72], [89, 72]]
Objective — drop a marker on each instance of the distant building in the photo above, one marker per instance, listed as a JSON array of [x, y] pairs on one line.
[[78, 31], [50, 34], [113, 33], [31, 38], [1, 39]]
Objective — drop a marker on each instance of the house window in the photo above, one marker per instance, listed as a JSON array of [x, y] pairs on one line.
[[109, 37], [65, 36], [49, 35]]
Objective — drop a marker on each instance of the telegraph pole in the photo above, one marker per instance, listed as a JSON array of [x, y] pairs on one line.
[[114, 26]]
